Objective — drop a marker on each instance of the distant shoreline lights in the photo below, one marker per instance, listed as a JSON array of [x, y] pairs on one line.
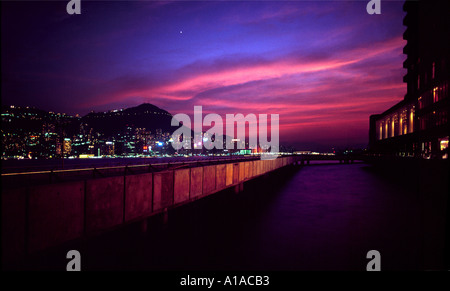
[[213, 137]]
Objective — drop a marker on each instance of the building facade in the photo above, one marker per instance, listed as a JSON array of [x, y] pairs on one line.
[[418, 125]]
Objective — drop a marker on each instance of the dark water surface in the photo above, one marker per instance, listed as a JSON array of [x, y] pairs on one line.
[[323, 217]]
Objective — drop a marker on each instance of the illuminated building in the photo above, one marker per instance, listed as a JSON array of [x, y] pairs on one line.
[[64, 148], [418, 125], [109, 148]]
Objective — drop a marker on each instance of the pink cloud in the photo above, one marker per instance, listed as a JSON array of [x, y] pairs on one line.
[[325, 92]]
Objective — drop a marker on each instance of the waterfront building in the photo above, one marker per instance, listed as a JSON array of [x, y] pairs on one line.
[[418, 125]]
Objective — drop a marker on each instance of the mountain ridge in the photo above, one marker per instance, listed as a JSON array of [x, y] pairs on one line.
[[145, 115]]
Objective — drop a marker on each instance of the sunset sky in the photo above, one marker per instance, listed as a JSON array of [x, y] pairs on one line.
[[323, 66]]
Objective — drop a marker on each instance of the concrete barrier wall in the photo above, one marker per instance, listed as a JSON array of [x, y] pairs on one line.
[[104, 203], [163, 190], [13, 223], [258, 168], [236, 173], [247, 170], [241, 171], [138, 195], [251, 169], [196, 182], [181, 185], [56, 214], [221, 175], [229, 178], [61, 212], [209, 179]]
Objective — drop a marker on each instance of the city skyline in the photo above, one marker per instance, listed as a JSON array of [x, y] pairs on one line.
[[323, 68]]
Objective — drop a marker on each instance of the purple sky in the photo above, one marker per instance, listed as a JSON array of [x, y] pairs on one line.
[[323, 66]]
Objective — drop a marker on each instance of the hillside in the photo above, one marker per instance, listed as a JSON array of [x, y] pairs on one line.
[[145, 115]]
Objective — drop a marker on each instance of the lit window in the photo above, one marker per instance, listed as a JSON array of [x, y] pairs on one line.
[[392, 127], [435, 94], [411, 121], [443, 142], [380, 134], [386, 129]]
